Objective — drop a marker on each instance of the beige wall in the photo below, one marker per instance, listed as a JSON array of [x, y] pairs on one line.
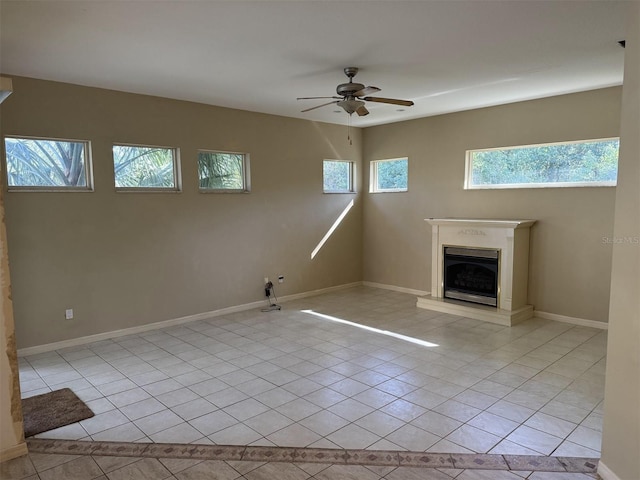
[[621, 429], [126, 259], [569, 264]]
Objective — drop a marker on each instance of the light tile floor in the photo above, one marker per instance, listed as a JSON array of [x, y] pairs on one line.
[[361, 368]]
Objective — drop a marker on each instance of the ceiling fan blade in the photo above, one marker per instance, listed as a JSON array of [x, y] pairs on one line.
[[362, 111], [393, 101], [315, 98], [366, 91], [318, 106]]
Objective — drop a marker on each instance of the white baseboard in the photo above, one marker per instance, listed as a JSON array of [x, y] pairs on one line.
[[13, 452], [583, 322], [410, 291], [606, 473], [313, 293], [74, 342]]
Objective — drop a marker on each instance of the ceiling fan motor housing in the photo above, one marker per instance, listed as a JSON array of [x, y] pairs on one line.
[[348, 89]]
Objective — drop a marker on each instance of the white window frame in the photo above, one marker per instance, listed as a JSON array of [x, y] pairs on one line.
[[88, 167], [352, 170], [373, 176], [246, 176], [177, 177], [468, 169]]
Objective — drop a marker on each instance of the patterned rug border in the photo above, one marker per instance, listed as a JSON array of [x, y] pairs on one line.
[[393, 458]]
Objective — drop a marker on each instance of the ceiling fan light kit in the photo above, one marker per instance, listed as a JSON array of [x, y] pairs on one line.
[[352, 96], [351, 106]]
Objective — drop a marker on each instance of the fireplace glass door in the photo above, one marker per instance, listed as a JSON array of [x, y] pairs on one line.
[[471, 274]]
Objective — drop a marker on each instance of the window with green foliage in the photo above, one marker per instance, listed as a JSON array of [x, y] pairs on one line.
[[223, 171], [566, 164], [47, 164], [389, 175], [337, 176], [138, 167]]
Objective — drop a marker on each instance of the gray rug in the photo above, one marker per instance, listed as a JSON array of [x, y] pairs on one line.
[[52, 410]]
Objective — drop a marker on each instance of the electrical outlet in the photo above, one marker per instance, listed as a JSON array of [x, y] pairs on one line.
[[68, 314], [281, 279]]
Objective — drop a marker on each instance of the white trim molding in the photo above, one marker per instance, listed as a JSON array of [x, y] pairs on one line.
[[74, 342], [583, 322], [13, 452], [384, 286], [313, 293], [606, 473]]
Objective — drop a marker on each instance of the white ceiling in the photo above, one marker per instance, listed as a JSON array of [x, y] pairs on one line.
[[446, 55]]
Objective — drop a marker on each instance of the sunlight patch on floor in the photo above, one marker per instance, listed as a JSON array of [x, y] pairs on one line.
[[399, 336]]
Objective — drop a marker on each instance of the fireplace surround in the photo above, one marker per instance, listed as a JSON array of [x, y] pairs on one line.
[[480, 269]]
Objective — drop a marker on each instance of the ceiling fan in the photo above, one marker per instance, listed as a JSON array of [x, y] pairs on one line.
[[354, 95]]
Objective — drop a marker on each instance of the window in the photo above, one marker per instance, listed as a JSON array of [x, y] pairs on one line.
[[566, 164], [47, 164], [389, 175], [223, 171], [337, 176], [139, 167]]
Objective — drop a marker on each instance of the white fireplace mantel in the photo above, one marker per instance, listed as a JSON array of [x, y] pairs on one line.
[[511, 239], [480, 222]]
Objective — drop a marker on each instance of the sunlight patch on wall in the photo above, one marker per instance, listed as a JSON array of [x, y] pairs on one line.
[[331, 230], [399, 336]]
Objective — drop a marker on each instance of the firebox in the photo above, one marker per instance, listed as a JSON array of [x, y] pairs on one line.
[[471, 274]]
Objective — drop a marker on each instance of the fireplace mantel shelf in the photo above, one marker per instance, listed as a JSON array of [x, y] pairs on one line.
[[480, 222]]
